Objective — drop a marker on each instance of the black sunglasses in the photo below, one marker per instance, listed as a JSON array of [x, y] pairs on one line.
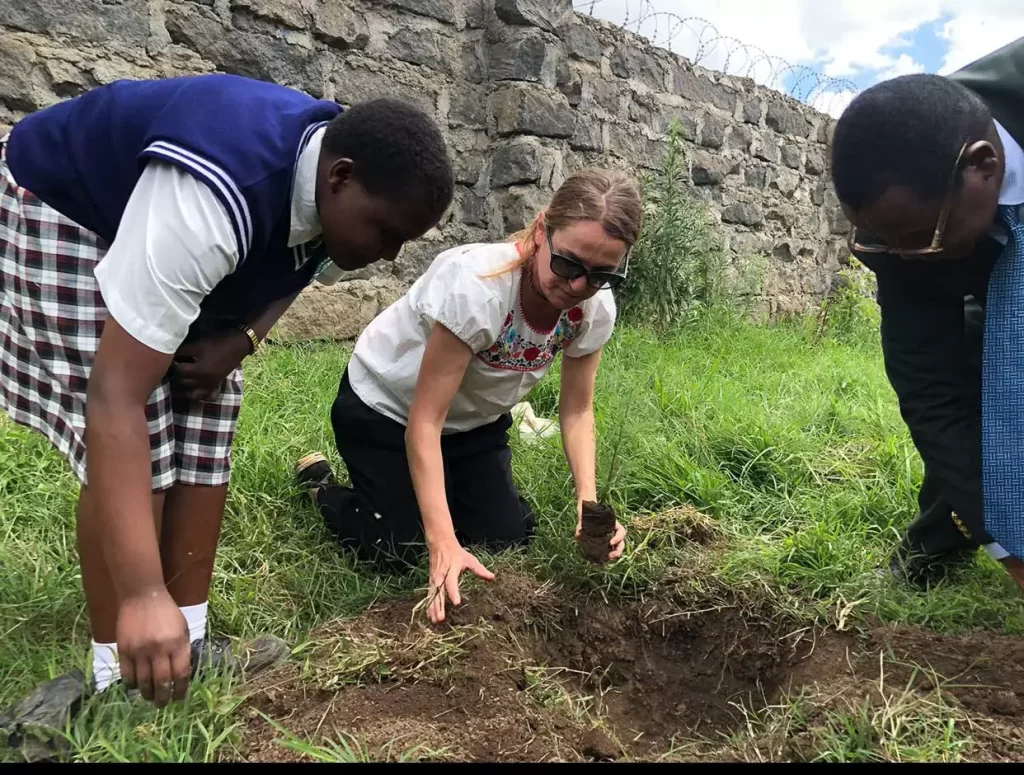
[[571, 269]]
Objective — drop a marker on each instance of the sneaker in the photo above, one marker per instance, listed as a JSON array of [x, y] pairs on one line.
[[923, 571], [218, 656], [313, 472]]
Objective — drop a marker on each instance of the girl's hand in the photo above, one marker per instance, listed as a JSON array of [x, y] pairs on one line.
[[153, 647], [447, 563], [200, 368]]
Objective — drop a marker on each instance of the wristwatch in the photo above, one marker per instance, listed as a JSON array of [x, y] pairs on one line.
[[254, 341]]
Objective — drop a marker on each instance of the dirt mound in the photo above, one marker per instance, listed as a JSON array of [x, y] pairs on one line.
[[675, 527], [523, 672], [530, 672]]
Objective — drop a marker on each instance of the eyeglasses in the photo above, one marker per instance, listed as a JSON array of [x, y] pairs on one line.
[[856, 246], [571, 269]]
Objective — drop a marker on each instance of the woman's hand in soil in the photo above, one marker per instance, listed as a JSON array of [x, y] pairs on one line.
[[447, 563], [200, 368], [153, 647]]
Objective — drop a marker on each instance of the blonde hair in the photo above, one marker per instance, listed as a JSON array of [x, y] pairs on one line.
[[610, 197]]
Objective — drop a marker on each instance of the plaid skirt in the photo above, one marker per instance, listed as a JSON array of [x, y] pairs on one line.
[[51, 318]]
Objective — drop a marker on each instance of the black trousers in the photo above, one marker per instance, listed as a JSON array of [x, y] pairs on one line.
[[379, 517], [933, 539]]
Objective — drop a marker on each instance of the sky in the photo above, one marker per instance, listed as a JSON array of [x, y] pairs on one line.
[[822, 51]]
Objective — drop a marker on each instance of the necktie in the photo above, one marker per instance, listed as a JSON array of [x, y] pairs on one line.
[[1003, 393]]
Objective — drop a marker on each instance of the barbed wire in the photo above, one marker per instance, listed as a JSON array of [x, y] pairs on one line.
[[703, 44]]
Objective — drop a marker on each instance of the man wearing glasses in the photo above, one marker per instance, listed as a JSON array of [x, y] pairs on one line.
[[930, 172]]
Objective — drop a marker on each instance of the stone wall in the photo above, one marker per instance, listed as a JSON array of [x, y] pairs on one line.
[[527, 91]]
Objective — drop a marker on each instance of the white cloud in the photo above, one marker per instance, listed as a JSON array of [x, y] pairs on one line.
[[832, 103], [866, 35], [840, 38], [904, 65], [975, 33]]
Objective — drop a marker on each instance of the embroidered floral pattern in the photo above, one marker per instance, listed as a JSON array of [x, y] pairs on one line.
[[514, 352]]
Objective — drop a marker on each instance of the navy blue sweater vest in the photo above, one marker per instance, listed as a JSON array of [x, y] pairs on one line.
[[241, 137]]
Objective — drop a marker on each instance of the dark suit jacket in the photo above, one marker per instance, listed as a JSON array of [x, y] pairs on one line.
[[933, 319]]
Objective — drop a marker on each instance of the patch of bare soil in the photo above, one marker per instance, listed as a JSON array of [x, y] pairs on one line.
[[525, 671], [522, 672], [983, 670]]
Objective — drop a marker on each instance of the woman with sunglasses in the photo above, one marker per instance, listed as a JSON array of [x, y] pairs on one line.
[[423, 412]]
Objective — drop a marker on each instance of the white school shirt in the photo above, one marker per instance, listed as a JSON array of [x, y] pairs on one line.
[[510, 355], [175, 243]]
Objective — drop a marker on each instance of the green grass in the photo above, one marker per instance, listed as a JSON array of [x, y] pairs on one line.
[[794, 447], [351, 750]]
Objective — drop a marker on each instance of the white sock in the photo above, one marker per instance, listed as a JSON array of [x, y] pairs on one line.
[[105, 667], [195, 616]]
